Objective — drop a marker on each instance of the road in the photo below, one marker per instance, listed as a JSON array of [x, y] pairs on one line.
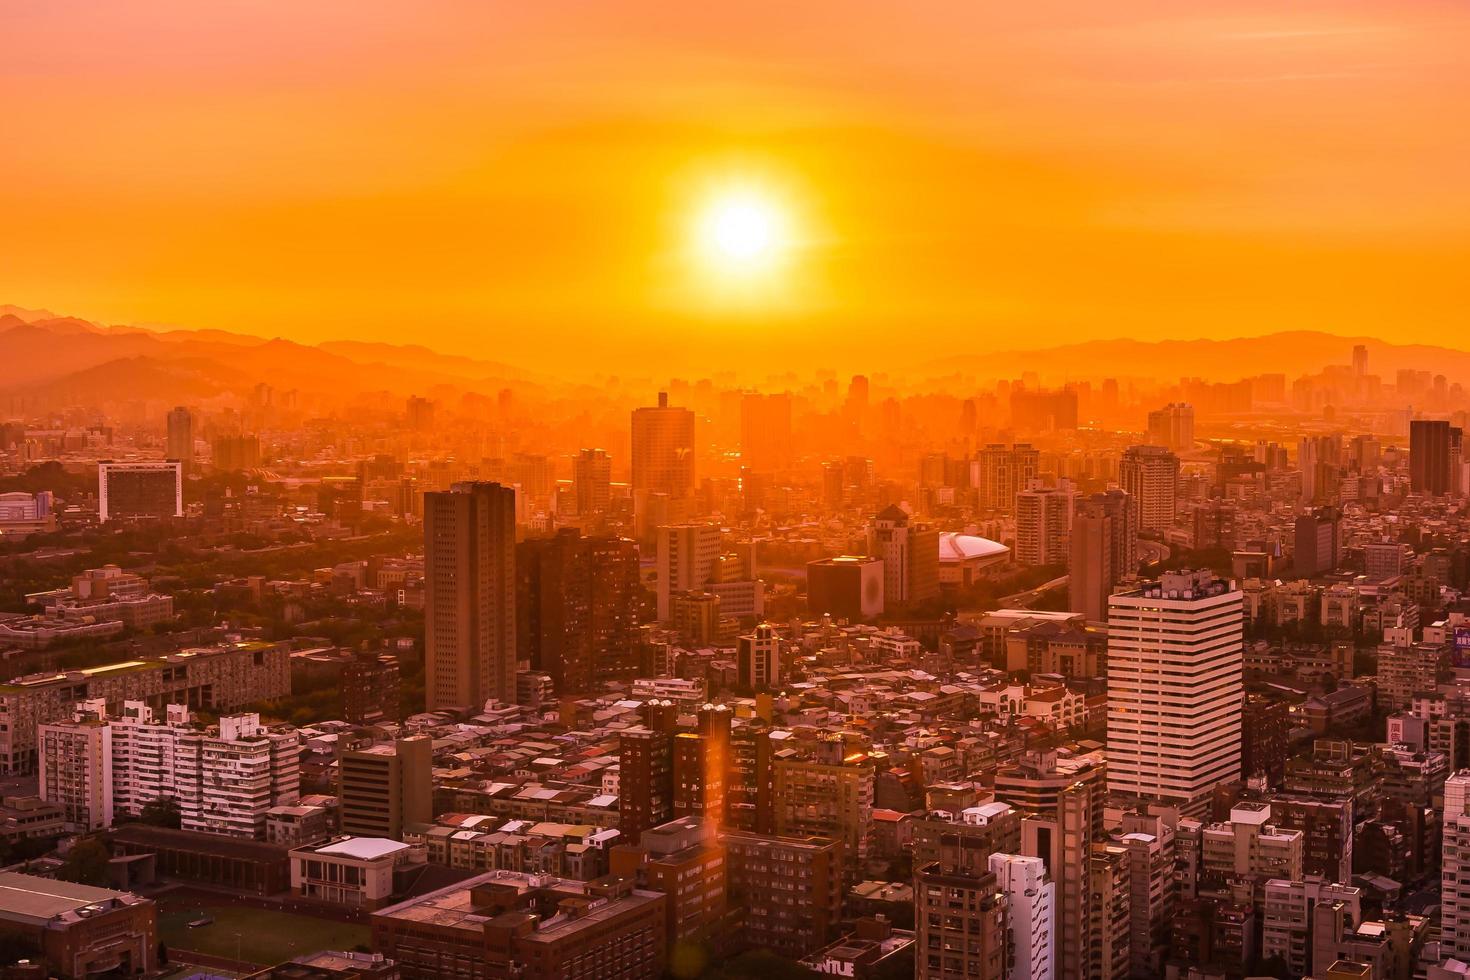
[[1023, 600], [1153, 552]]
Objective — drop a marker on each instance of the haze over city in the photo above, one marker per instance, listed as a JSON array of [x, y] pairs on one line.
[[635, 490]]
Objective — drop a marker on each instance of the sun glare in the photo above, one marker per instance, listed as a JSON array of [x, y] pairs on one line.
[[741, 231]]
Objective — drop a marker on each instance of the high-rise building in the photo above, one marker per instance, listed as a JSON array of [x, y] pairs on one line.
[[131, 491], [578, 608], [76, 771], [1091, 574], [1108, 906], [1043, 523], [828, 793], [1062, 815], [910, 554], [1318, 542], [1454, 908], [1172, 427], [663, 452], [231, 454], [1031, 904], [846, 587], [592, 482], [1002, 472], [230, 776], [469, 595], [386, 787], [1360, 360], [1150, 475], [645, 780], [180, 442], [765, 432], [701, 760], [1429, 456], [687, 557], [758, 659], [1175, 688]]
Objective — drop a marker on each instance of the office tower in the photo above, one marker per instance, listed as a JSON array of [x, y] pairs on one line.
[[1091, 573], [687, 556], [132, 491], [180, 442], [386, 787], [1429, 456], [1454, 909], [469, 596], [1150, 475], [1172, 427], [910, 555], [1030, 901], [1318, 542], [960, 920], [230, 454], [578, 608], [646, 774], [790, 887], [1043, 521], [1360, 360], [663, 449], [592, 482], [1002, 472], [765, 432], [758, 659], [1175, 688], [847, 587]]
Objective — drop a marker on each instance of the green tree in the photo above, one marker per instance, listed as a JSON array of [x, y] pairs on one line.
[[86, 864], [162, 812]]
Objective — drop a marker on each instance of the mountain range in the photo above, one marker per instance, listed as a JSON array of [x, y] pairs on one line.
[[52, 360]]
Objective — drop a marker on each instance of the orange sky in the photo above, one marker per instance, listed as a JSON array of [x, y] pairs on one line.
[[516, 179]]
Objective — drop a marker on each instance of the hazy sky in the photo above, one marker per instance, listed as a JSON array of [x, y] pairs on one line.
[[519, 179]]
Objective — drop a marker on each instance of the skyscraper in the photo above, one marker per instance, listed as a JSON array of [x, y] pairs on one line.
[[1429, 456], [765, 432], [180, 442], [469, 595], [1103, 551], [663, 449], [1318, 541], [1004, 472], [578, 601], [1043, 521], [1150, 475], [1455, 870], [592, 482], [910, 555], [1175, 688]]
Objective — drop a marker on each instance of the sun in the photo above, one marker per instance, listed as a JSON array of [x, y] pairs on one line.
[[742, 231]]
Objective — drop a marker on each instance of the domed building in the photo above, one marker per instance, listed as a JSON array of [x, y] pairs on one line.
[[966, 558]]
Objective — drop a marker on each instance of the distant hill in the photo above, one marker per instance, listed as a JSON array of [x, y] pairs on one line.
[[53, 359], [1292, 353]]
